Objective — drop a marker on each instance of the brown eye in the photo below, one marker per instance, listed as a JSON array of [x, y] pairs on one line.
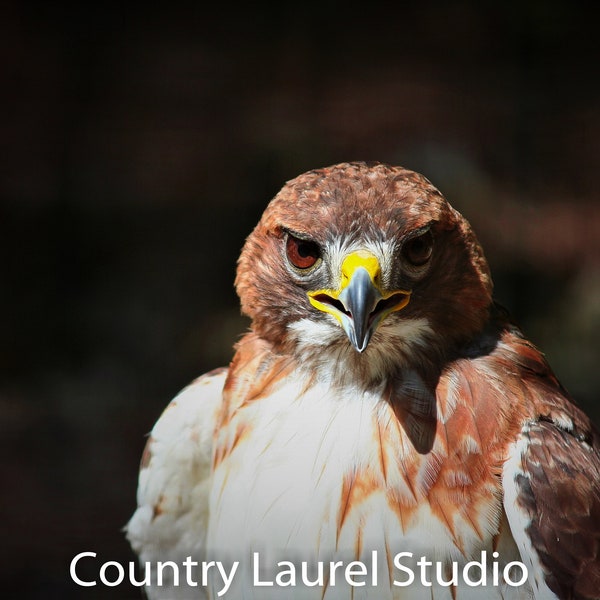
[[417, 251], [303, 254]]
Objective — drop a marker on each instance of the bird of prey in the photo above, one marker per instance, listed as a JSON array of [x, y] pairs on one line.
[[382, 425]]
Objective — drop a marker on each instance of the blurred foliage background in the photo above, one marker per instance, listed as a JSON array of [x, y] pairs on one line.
[[140, 146]]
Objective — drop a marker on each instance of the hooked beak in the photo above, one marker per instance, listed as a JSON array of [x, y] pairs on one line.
[[359, 305]]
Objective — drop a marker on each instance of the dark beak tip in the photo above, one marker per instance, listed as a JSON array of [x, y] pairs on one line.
[[361, 346]]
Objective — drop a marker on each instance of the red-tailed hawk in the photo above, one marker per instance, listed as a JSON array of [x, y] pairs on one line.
[[383, 425]]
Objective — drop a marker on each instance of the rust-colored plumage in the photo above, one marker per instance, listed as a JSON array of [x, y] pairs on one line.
[[383, 402]]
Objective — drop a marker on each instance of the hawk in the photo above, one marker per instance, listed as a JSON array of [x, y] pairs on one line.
[[381, 403]]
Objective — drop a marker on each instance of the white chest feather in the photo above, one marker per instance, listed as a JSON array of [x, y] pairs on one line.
[[285, 486], [283, 494]]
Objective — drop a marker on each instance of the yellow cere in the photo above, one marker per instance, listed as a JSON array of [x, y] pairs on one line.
[[369, 262], [360, 258]]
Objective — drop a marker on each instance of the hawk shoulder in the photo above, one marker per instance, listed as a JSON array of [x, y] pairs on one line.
[[551, 480]]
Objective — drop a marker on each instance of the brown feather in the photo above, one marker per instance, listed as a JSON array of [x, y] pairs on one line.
[[561, 493]]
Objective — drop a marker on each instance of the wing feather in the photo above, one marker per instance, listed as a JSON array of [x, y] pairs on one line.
[[550, 464], [551, 481], [171, 519], [557, 495]]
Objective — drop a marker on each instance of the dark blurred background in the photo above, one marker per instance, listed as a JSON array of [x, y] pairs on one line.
[[140, 146]]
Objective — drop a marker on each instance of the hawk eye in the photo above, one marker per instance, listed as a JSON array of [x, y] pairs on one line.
[[302, 254], [417, 251]]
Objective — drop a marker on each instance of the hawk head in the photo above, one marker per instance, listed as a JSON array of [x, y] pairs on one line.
[[363, 262]]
